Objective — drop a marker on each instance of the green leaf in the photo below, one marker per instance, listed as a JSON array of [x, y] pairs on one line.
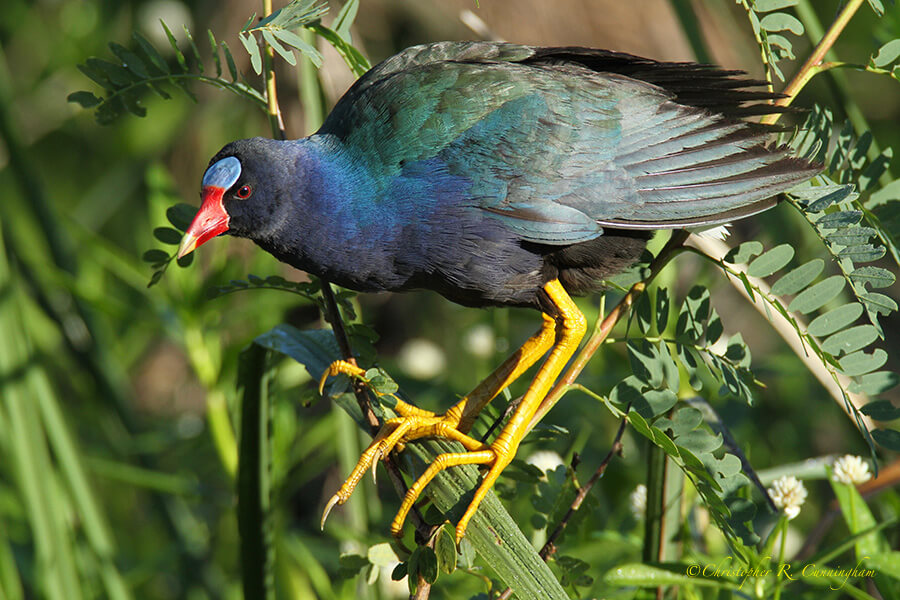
[[229, 60], [878, 303], [861, 253], [179, 55], [877, 6], [85, 99], [743, 253], [714, 328], [423, 561], [292, 39], [873, 384], [835, 320], [882, 410], [781, 22], [887, 438], [214, 50], [167, 235], [297, 13], [287, 55], [252, 48], [770, 5], [129, 60], [643, 314], [659, 402], [817, 199], [818, 295], [181, 215], [354, 59], [662, 309], [876, 277], [151, 53], [155, 256], [860, 363], [445, 548], [797, 279], [645, 362], [850, 340], [699, 441], [640, 424], [841, 218], [154, 279], [771, 261], [194, 49], [381, 555], [851, 236], [344, 20], [119, 76]]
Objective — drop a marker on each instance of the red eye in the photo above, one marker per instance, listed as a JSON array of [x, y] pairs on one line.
[[244, 192]]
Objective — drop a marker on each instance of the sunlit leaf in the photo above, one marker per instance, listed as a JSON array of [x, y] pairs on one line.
[[876, 277], [850, 340], [860, 363], [876, 383], [743, 253], [771, 261], [817, 295], [835, 320], [781, 22], [798, 278]]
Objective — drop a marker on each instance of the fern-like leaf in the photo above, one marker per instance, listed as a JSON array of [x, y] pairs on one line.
[[133, 72]]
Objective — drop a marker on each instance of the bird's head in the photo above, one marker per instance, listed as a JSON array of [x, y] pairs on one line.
[[234, 194]]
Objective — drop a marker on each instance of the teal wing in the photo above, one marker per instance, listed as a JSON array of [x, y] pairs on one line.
[[557, 143]]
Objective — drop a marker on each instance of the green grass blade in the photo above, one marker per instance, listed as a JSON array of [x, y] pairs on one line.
[[254, 476]]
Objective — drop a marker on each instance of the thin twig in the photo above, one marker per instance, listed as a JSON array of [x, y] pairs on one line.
[[549, 547], [812, 66]]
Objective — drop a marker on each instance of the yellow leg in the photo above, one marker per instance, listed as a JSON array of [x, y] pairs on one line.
[[566, 330], [571, 327]]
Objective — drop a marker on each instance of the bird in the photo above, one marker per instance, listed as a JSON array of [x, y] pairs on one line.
[[498, 174]]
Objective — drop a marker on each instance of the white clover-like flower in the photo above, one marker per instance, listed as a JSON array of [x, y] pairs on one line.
[[480, 341], [638, 500], [421, 358], [788, 494], [851, 470], [545, 460]]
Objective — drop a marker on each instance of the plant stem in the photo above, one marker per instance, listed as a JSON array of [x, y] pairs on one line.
[[275, 121], [813, 64]]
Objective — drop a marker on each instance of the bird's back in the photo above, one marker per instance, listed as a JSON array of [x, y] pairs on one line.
[[494, 149]]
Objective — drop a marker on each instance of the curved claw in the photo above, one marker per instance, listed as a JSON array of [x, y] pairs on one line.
[[375, 460], [336, 368], [335, 500]]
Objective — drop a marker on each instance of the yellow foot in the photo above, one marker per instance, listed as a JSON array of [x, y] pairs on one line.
[[560, 334], [496, 458], [340, 367], [412, 424]]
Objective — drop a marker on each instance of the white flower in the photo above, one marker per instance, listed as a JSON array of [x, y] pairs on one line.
[[638, 499], [788, 494], [545, 460], [480, 341], [851, 470], [421, 358]]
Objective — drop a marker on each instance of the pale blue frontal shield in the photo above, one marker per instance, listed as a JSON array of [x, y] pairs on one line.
[[223, 173]]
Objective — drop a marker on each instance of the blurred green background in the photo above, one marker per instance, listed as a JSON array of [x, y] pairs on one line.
[[114, 433]]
